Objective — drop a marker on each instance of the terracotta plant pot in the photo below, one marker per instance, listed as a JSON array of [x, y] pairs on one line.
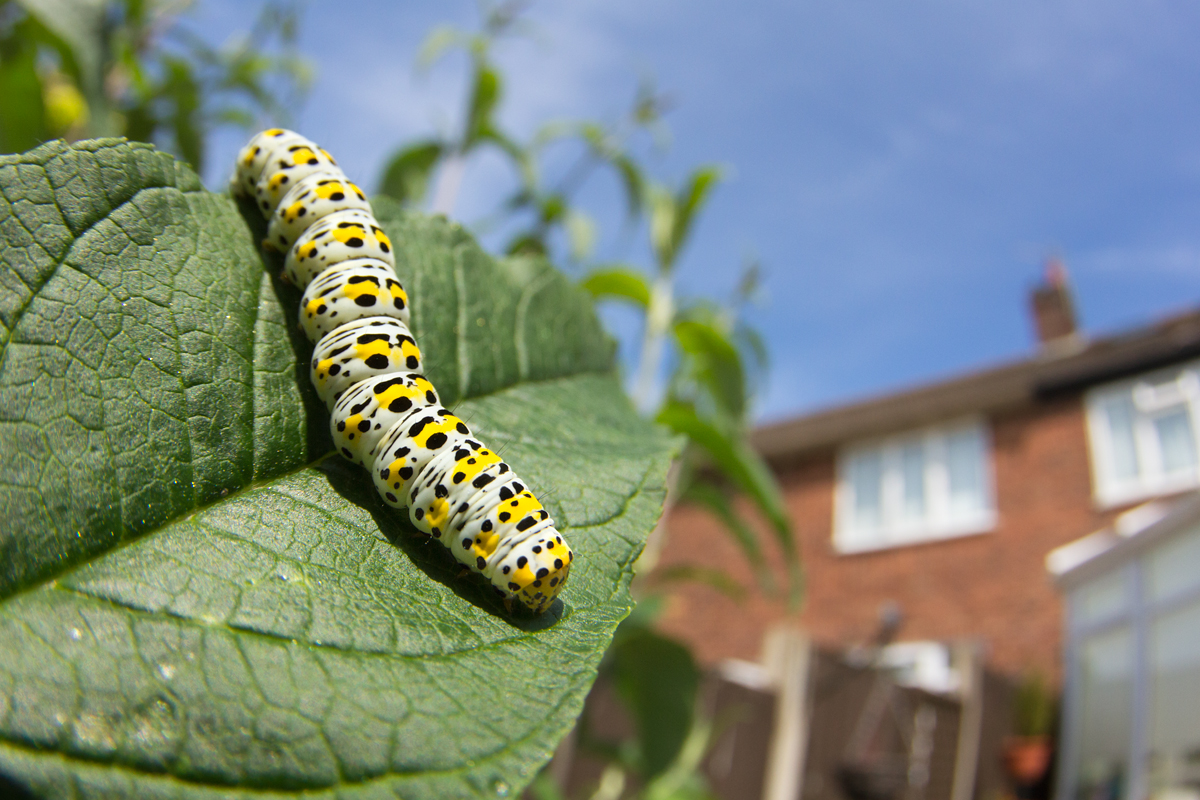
[[1026, 758]]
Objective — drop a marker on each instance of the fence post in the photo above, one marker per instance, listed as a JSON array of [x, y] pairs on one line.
[[788, 658], [967, 660]]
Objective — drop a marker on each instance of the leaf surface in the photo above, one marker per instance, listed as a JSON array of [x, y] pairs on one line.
[[196, 599]]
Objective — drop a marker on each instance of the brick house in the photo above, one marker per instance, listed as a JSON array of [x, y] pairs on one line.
[[944, 500]]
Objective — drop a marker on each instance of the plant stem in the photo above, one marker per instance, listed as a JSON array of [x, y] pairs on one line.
[[658, 321], [449, 180]]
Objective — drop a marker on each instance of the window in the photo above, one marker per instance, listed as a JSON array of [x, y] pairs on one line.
[[1143, 435], [922, 485]]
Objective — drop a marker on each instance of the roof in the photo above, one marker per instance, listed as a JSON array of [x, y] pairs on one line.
[[1132, 534], [1062, 368]]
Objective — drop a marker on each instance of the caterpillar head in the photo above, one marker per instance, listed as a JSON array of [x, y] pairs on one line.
[[536, 570]]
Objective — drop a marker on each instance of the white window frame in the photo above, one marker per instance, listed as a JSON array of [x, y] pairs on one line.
[[939, 520], [1150, 394]]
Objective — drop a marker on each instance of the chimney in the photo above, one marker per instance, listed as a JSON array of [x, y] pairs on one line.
[[1053, 311]]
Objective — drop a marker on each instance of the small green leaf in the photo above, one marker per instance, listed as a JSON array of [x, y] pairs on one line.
[[22, 125], [718, 501], [662, 225], [196, 596], [439, 40], [690, 199], [80, 25], [527, 244], [733, 455], [551, 208], [713, 577], [594, 134], [581, 233], [406, 177], [715, 362], [618, 283], [185, 120], [633, 182], [485, 94], [657, 679]]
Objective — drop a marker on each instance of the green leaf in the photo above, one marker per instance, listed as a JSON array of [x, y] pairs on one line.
[[656, 678], [185, 122], [633, 182], [662, 225], [551, 208], [720, 504], [671, 216], [581, 233], [22, 124], [196, 598], [734, 456], [618, 283], [716, 363], [406, 177], [527, 244], [80, 25], [439, 40], [691, 197], [485, 94], [714, 578]]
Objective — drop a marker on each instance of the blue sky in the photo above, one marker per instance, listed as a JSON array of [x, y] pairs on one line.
[[900, 169]]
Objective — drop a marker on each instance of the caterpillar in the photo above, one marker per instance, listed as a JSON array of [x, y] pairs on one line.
[[385, 415]]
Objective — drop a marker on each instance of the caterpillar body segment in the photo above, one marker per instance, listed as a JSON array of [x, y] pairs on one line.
[[396, 465], [366, 413], [286, 168], [312, 198], [351, 290], [366, 367], [361, 349], [424, 433], [253, 158], [437, 505], [340, 236], [496, 522]]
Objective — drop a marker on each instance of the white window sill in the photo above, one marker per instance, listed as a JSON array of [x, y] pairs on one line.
[[1113, 496], [908, 538]]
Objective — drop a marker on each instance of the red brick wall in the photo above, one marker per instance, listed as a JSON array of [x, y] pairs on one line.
[[993, 585]]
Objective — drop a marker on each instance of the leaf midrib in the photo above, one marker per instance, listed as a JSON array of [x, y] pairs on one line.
[[66, 567], [413, 657]]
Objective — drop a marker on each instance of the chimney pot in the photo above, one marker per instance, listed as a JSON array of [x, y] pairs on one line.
[[1053, 309]]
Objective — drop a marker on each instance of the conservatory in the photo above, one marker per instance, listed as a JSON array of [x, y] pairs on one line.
[[1131, 716]]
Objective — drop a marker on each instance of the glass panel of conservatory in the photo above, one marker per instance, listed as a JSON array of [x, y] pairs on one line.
[[1173, 763], [1103, 598], [1105, 683], [1174, 568]]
